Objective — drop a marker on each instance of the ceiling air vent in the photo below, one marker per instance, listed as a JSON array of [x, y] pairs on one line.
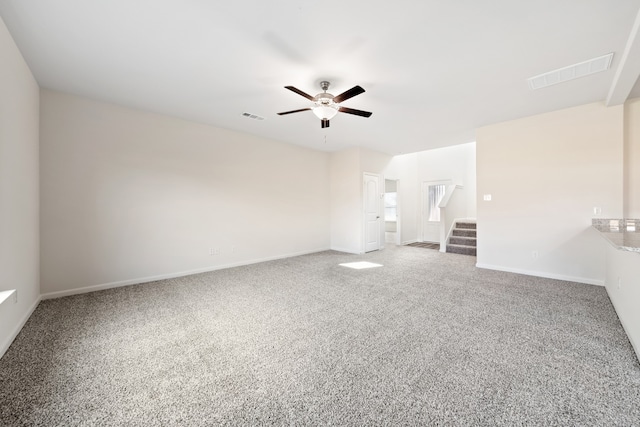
[[561, 75], [252, 116]]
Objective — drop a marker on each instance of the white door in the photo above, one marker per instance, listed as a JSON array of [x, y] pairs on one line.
[[372, 201], [432, 193]]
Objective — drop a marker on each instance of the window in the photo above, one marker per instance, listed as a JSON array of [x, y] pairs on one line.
[[390, 207], [436, 193]]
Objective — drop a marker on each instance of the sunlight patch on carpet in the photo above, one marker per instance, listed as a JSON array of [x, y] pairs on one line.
[[361, 264]]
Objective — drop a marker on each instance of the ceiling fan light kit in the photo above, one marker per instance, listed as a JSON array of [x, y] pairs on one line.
[[326, 106]]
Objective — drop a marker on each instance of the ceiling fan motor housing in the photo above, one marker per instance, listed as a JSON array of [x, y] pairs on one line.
[[324, 99], [327, 105]]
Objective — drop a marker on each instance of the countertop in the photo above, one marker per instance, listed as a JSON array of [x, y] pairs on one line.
[[624, 233]]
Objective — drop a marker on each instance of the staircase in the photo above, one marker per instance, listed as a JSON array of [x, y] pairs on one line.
[[463, 238]]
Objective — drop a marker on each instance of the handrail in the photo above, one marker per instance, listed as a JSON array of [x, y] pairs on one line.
[[451, 208]]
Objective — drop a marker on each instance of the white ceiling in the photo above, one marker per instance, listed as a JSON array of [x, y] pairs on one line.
[[433, 70]]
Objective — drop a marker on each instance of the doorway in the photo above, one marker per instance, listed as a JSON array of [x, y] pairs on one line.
[[432, 194], [372, 207], [391, 212]]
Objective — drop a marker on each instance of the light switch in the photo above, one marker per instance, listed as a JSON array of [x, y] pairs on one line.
[[487, 197]]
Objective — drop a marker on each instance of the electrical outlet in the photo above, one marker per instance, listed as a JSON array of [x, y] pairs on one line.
[[216, 251], [534, 254], [619, 283]]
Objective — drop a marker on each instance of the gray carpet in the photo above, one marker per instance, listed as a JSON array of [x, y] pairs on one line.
[[427, 339]]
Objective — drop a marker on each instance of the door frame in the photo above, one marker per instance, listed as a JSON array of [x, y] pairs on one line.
[[380, 197], [398, 240]]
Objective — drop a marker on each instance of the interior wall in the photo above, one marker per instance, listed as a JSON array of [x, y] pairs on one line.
[[129, 195], [347, 208], [545, 175], [19, 190], [632, 159], [346, 203], [470, 183], [374, 162], [456, 163]]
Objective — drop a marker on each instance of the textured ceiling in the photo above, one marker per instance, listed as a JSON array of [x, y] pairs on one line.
[[433, 71]]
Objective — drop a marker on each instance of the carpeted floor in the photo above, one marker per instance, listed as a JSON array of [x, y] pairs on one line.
[[427, 339]]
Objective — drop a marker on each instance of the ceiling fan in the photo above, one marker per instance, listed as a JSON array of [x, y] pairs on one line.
[[326, 106]]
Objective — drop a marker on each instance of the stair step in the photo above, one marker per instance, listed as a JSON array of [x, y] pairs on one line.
[[471, 225], [464, 232], [461, 249], [461, 240]]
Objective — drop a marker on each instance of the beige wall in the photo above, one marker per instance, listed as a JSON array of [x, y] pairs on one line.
[[346, 203], [546, 173], [632, 159], [19, 200], [129, 195], [347, 214]]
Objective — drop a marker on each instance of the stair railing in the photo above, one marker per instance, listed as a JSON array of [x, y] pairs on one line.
[[452, 206]]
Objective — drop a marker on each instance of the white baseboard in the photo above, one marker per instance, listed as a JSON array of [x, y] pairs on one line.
[[348, 251], [7, 342], [585, 280], [408, 242], [140, 280]]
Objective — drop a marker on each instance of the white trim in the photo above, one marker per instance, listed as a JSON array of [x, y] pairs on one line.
[[348, 251], [443, 246], [448, 194], [380, 218], [111, 285], [5, 295], [470, 220], [7, 343], [408, 242], [585, 280]]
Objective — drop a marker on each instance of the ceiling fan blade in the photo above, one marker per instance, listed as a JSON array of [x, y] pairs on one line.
[[293, 111], [356, 112], [324, 123], [299, 92], [356, 90]]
